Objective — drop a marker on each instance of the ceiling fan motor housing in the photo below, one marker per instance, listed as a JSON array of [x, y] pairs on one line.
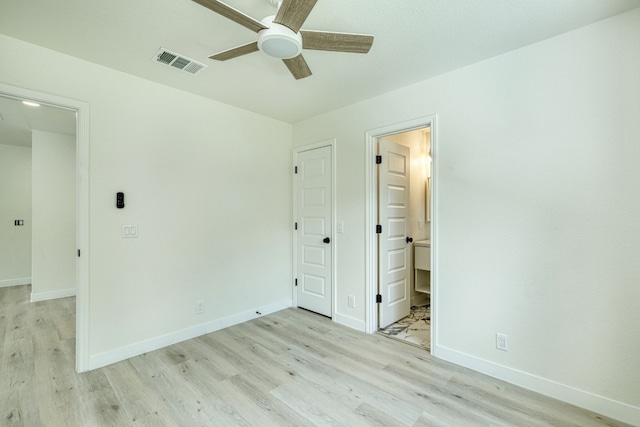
[[279, 41]]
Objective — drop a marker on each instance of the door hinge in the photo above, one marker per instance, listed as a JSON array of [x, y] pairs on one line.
[[296, 282], [378, 160], [295, 170], [78, 253], [378, 229], [296, 226], [378, 299]]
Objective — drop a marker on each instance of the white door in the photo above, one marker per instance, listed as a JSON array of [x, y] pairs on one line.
[[393, 245], [314, 230]]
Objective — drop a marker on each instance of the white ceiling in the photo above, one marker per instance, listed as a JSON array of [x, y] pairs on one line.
[[18, 120], [414, 40]]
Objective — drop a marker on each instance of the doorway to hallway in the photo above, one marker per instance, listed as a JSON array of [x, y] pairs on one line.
[[81, 275]]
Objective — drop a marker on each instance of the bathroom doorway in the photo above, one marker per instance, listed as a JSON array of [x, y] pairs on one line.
[[399, 280]]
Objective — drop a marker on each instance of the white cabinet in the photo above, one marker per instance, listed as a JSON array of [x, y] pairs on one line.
[[422, 265]]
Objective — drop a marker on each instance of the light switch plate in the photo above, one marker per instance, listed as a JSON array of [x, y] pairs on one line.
[[129, 231]]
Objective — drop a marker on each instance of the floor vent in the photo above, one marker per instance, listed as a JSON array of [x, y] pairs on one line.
[[178, 61]]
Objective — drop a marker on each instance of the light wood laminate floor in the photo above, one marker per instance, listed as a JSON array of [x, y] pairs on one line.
[[291, 368]]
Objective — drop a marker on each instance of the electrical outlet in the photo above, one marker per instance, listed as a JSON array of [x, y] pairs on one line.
[[501, 342], [200, 307], [352, 301]]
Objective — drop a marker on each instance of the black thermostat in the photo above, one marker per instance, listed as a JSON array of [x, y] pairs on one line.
[[120, 200]]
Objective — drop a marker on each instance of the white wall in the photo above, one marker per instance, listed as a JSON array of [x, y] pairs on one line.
[[15, 203], [208, 185], [54, 215], [537, 233]]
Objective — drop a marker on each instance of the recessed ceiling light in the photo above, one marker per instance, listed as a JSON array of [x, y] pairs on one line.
[[31, 103]]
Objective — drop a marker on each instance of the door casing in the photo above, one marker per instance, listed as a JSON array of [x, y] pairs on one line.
[[327, 143], [371, 206], [82, 208]]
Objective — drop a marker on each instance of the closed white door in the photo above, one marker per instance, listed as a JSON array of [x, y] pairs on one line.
[[393, 245], [314, 230]]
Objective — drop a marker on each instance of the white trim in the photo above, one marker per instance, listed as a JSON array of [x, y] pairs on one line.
[[15, 282], [334, 248], [113, 356], [371, 207], [435, 239], [350, 322], [44, 296], [82, 207], [592, 402]]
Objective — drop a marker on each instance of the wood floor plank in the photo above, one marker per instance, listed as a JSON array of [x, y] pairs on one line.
[[373, 416], [58, 403], [187, 396], [5, 313], [248, 358], [100, 404], [345, 385], [19, 408], [260, 407], [290, 368], [199, 351], [138, 400], [213, 394], [315, 405]]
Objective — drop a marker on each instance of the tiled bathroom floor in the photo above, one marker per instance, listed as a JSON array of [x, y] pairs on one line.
[[414, 329]]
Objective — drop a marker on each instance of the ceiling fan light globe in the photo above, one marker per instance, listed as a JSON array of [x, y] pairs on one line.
[[280, 47], [279, 41]]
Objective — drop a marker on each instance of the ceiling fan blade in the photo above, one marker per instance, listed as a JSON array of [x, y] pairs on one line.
[[298, 67], [293, 13], [235, 52], [233, 14], [338, 42]]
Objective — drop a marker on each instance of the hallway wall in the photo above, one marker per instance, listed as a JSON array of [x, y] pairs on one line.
[[15, 203], [54, 215]]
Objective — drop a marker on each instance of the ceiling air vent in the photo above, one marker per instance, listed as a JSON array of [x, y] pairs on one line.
[[175, 60]]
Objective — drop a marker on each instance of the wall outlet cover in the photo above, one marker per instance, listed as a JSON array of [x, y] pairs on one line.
[[352, 301], [501, 342], [200, 307]]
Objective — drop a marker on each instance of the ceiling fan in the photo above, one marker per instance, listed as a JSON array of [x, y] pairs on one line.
[[280, 35]]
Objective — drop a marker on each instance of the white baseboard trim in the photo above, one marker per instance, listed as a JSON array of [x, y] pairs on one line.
[[349, 322], [109, 357], [593, 402], [15, 282], [43, 296]]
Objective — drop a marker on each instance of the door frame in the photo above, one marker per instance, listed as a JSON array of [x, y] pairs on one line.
[[327, 143], [82, 207], [371, 206]]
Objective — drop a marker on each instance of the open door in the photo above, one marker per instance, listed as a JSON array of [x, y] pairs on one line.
[[393, 242]]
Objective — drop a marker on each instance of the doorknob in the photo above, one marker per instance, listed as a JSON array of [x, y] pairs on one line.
[[326, 240], [409, 239]]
